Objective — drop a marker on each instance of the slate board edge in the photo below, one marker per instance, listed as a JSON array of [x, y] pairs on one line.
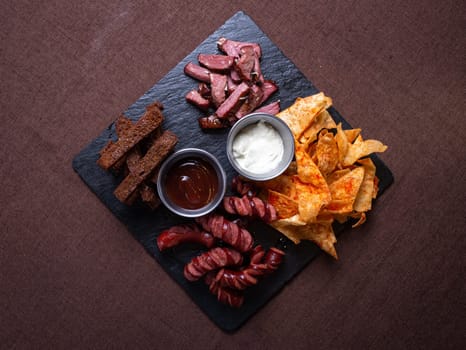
[[224, 326]]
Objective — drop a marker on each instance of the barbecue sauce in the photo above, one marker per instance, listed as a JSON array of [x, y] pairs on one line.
[[191, 183]]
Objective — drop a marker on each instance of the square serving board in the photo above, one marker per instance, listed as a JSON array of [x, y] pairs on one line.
[[181, 118]]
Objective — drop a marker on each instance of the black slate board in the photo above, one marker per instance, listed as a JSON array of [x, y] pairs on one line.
[[181, 118]]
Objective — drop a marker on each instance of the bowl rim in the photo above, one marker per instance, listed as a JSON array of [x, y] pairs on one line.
[[285, 133], [185, 153]]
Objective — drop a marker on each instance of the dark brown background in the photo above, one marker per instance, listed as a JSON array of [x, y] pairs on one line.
[[73, 277]]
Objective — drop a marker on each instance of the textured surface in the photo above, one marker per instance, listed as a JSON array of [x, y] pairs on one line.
[[73, 276]]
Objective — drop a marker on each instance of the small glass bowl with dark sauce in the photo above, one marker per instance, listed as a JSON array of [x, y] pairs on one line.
[[191, 182]]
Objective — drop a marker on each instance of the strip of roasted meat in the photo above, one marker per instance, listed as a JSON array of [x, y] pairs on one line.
[[269, 87], [218, 88], [212, 122], [272, 108], [216, 62], [252, 102], [197, 72], [195, 98], [245, 64], [233, 101]]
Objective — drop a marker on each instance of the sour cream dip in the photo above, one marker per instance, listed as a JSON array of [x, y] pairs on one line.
[[258, 148]]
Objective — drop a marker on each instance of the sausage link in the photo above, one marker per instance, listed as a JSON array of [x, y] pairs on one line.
[[246, 277], [184, 234], [243, 187], [250, 206], [228, 231], [273, 258], [228, 296], [213, 259]]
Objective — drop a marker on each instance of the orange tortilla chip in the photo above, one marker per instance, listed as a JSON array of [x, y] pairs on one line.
[[348, 185], [338, 206], [363, 201], [361, 148], [294, 220], [337, 174], [284, 205], [320, 234], [351, 134], [342, 142], [311, 199], [292, 169], [326, 152], [308, 171], [344, 192], [376, 187], [325, 218], [283, 184], [322, 121], [361, 217], [290, 230], [303, 111]]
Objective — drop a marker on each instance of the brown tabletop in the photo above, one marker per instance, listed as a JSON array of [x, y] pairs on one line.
[[72, 276]]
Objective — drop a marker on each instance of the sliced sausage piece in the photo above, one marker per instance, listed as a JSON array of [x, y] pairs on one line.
[[213, 259]]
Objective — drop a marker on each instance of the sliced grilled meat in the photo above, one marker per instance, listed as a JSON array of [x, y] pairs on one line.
[[216, 62]]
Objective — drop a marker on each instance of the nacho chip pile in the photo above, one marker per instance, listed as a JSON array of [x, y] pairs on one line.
[[331, 178]]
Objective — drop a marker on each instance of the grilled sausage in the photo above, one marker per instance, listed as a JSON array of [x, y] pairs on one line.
[[213, 259], [228, 231], [184, 234], [251, 207]]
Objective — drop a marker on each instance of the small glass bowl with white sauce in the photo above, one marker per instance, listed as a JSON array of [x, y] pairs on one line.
[[260, 146]]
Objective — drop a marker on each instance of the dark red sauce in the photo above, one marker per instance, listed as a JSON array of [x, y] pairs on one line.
[[191, 183]]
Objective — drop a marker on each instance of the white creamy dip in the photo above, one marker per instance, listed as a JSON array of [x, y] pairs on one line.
[[258, 148]]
